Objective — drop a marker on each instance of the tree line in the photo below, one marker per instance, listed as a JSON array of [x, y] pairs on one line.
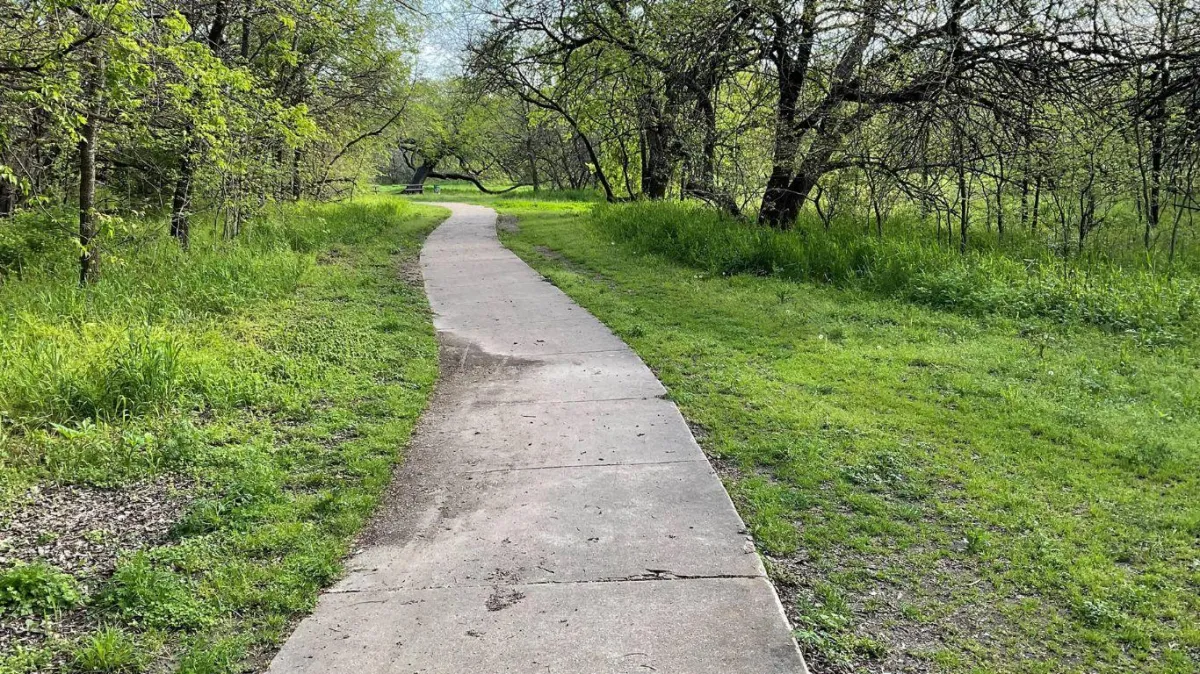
[[120, 107], [1056, 117]]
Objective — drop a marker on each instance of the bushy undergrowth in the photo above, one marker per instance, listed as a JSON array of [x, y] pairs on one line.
[[987, 279], [102, 354]]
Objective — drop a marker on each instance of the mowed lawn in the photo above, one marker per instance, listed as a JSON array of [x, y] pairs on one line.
[[931, 491]]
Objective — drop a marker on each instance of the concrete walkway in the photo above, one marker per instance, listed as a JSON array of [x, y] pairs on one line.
[[554, 513]]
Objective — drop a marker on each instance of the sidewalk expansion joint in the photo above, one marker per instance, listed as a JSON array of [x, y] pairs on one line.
[[547, 401], [651, 576], [614, 464]]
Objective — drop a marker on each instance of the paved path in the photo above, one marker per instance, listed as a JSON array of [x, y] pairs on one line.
[[554, 513]]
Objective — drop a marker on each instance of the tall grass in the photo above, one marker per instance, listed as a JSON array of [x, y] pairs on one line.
[[132, 344], [1016, 281]]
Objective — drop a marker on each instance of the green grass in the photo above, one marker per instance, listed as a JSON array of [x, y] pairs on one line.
[[272, 381], [932, 490], [1020, 277]]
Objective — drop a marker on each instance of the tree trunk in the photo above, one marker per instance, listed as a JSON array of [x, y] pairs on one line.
[[1087, 217], [787, 202], [297, 187], [8, 199], [1037, 205], [1000, 180], [89, 258], [964, 209], [422, 173], [533, 168], [247, 26], [1158, 142], [1024, 200], [781, 202], [656, 178], [216, 32], [1179, 208], [781, 205], [181, 205]]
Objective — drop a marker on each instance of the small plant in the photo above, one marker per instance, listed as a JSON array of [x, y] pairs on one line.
[[1098, 613], [37, 589], [153, 597], [977, 541], [110, 650]]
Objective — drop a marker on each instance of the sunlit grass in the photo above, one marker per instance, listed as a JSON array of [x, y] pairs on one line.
[[1019, 279]]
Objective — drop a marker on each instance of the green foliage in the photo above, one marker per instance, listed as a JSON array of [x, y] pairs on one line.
[[906, 265], [109, 651], [37, 589], [137, 374], [29, 238], [223, 657], [144, 595], [181, 93]]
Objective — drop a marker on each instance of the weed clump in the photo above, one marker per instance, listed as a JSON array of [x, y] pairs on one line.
[[110, 650], [37, 590], [153, 597]]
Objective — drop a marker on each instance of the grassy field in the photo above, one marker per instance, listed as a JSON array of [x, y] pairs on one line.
[[932, 490], [189, 446]]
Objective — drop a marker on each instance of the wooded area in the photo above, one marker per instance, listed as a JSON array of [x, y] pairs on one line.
[[1057, 119], [120, 108]]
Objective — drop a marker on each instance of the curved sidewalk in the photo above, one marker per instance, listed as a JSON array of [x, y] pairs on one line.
[[554, 513]]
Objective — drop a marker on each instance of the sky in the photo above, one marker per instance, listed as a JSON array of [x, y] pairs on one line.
[[448, 26]]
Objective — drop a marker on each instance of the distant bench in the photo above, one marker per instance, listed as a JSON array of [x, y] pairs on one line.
[[414, 189]]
